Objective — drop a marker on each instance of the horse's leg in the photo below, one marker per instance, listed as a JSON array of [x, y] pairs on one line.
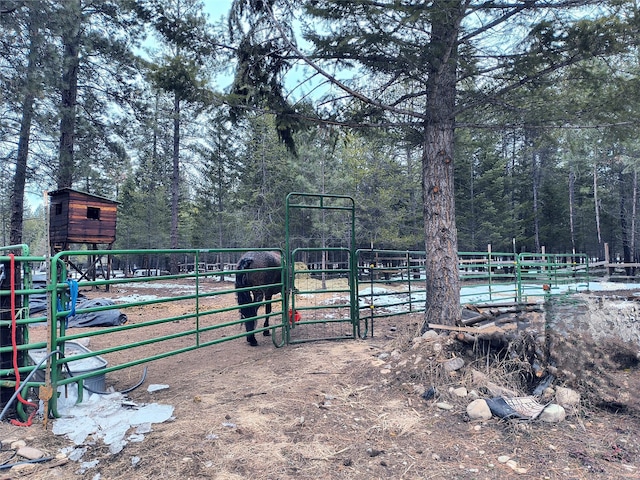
[[267, 311], [258, 296], [250, 325], [250, 313]]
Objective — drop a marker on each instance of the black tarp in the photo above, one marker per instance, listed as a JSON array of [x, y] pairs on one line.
[[103, 318]]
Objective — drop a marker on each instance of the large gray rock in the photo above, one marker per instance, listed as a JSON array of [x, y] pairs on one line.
[[479, 410], [553, 413]]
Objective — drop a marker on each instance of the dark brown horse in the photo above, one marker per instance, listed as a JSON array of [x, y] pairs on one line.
[[264, 281]]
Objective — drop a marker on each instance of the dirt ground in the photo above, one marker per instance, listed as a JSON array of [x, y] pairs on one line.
[[347, 409]]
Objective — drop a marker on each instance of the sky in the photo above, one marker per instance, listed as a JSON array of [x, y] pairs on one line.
[[217, 8]]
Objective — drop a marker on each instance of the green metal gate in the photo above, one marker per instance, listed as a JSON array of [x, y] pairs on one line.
[[320, 248]]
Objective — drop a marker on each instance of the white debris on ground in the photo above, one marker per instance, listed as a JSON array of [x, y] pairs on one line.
[[110, 418], [157, 387]]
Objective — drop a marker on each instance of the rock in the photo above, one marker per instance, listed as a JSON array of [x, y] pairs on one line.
[[553, 413], [7, 442], [459, 392], [430, 335], [566, 397], [30, 453], [478, 410], [18, 444], [503, 458], [547, 395], [513, 465], [444, 406], [373, 452], [23, 468], [453, 364], [429, 393]]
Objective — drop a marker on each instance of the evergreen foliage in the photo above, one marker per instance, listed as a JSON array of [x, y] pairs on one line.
[[518, 152]]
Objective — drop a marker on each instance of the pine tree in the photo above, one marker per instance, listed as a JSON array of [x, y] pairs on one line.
[[181, 26], [414, 66]]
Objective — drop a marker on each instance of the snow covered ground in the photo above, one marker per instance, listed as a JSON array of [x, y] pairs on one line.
[[397, 302]]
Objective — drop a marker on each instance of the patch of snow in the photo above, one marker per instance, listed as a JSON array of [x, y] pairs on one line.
[[135, 298], [374, 290], [305, 295], [163, 286]]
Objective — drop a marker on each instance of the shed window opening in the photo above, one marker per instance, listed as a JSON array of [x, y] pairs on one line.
[[58, 208], [93, 213]]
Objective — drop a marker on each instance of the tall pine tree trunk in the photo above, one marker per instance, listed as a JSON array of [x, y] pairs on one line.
[[32, 85], [634, 200], [535, 172], [596, 203], [441, 238], [69, 91], [572, 199], [626, 250], [175, 182]]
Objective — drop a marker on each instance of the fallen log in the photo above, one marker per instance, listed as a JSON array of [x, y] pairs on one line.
[[451, 328]]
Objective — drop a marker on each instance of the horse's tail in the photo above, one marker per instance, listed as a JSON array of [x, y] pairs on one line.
[[242, 281]]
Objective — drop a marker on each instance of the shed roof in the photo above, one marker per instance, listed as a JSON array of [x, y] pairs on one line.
[[67, 189]]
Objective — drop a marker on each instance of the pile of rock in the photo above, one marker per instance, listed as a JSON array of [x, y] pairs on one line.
[[24, 458], [486, 398]]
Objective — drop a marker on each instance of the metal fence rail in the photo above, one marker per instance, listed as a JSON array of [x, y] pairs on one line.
[[377, 283], [208, 315], [392, 282], [389, 282], [557, 273]]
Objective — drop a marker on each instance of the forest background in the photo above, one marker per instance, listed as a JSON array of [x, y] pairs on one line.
[[131, 100]]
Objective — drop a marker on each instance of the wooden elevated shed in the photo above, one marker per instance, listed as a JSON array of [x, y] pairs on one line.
[[79, 217]]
